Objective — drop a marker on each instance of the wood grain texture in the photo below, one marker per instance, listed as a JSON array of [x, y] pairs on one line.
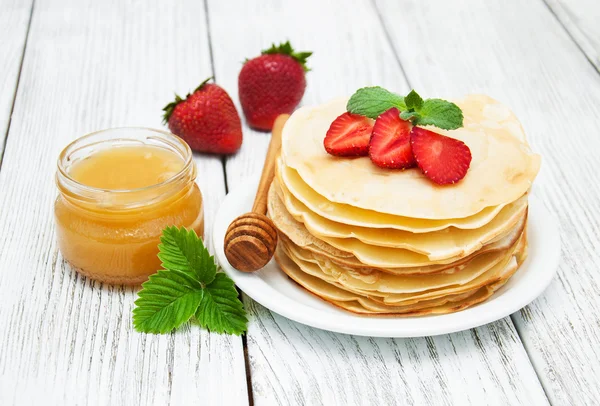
[[294, 364], [251, 238], [250, 242], [64, 339], [527, 60], [581, 18], [14, 21], [268, 170]]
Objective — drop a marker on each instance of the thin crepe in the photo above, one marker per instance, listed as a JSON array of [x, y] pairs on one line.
[[369, 255], [355, 303], [293, 186], [437, 245], [502, 169], [477, 272]]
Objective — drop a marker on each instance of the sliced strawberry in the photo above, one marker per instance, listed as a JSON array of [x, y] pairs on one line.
[[442, 159], [349, 135], [390, 141]]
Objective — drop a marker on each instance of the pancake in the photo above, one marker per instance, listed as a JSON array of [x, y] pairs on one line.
[[293, 185], [382, 242], [507, 273], [446, 243], [476, 273], [333, 292], [353, 265], [451, 307], [520, 255], [346, 283], [502, 169], [359, 304], [370, 255]]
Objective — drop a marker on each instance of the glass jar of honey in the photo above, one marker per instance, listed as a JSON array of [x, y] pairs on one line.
[[118, 189]]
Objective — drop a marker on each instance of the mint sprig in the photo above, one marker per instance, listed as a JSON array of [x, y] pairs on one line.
[[440, 113], [374, 101], [188, 285], [413, 101]]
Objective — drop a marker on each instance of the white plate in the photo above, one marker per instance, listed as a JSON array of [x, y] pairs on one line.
[[273, 289]]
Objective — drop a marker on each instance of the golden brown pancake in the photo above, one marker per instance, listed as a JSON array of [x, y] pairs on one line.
[[367, 255], [364, 305], [436, 245]]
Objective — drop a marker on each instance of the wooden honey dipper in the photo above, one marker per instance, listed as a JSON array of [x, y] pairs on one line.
[[251, 238]]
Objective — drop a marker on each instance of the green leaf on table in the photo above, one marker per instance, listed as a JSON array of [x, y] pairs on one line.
[[374, 101], [220, 309], [167, 300], [183, 250], [440, 113], [189, 285]]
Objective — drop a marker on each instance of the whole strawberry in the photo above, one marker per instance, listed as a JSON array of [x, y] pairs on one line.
[[272, 84], [206, 119]]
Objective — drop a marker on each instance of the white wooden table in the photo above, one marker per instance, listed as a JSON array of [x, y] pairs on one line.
[[69, 67]]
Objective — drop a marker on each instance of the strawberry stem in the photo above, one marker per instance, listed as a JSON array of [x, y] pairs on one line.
[[169, 108], [203, 83], [286, 48]]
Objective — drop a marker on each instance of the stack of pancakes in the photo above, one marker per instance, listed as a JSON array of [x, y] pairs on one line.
[[389, 242]]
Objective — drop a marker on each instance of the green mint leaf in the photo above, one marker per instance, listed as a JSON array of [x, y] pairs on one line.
[[440, 113], [167, 300], [373, 101], [413, 101], [183, 250], [220, 310], [409, 115]]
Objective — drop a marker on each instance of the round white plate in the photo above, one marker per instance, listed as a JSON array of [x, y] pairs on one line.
[[273, 289]]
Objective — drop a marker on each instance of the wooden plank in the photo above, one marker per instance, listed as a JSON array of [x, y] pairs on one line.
[[580, 18], [64, 339], [527, 60], [14, 21], [294, 364]]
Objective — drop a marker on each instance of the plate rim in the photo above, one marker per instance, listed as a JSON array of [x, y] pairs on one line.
[[390, 326]]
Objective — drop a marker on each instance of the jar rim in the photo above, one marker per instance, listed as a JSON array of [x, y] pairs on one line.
[[188, 160], [123, 199]]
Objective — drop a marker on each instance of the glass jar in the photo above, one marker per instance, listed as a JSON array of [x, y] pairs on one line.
[[112, 235]]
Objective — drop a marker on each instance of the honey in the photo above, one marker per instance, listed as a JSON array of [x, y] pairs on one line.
[[118, 189], [127, 167]]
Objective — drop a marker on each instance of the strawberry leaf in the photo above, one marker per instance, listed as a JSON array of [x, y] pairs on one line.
[[285, 48], [201, 85], [182, 250], [189, 285], [167, 300], [374, 101], [220, 310], [169, 108]]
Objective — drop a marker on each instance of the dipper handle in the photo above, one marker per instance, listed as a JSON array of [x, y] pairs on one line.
[[251, 239], [268, 172]]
